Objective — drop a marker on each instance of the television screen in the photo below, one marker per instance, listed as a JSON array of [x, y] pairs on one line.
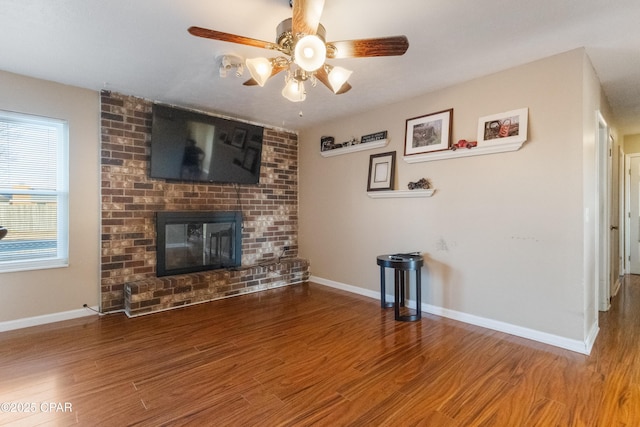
[[191, 146]]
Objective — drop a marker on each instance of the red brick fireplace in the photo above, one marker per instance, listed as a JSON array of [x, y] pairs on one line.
[[130, 200]]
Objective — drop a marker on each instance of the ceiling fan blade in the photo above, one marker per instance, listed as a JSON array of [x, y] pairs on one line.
[[383, 46], [226, 37], [322, 75], [306, 16], [276, 69]]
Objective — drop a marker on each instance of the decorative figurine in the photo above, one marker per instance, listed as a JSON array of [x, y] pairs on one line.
[[421, 184], [463, 143], [352, 141]]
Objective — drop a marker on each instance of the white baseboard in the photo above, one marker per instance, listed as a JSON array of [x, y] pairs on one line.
[[519, 331], [591, 338], [26, 322], [348, 288], [616, 287], [555, 340]]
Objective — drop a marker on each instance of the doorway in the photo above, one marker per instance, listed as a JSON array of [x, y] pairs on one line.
[[632, 210]]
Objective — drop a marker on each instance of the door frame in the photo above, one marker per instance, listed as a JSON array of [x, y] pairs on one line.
[[603, 220], [622, 225]]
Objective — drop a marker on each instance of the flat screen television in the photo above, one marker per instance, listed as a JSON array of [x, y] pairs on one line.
[[192, 146]]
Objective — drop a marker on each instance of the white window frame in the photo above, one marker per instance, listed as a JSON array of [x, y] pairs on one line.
[[61, 193]]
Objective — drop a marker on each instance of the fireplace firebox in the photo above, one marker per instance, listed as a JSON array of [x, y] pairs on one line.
[[188, 242]]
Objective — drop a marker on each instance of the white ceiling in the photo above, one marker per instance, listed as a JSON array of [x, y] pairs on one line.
[[142, 48]]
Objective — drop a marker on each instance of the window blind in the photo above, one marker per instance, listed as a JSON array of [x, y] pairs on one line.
[[33, 192]]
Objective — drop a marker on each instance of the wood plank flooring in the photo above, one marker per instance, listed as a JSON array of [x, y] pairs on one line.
[[311, 355]]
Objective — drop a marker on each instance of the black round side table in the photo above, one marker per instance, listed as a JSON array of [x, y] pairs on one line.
[[402, 265]]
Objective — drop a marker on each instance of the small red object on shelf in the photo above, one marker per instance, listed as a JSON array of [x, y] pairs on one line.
[[463, 143]]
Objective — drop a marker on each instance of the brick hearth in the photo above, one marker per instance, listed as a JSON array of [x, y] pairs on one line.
[[130, 199], [162, 293]]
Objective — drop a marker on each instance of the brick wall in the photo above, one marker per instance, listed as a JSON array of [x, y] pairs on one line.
[[163, 293], [130, 198]]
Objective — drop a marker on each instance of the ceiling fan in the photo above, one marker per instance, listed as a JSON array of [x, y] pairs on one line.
[[302, 40]]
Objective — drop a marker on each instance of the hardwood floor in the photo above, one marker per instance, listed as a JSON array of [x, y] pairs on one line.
[[308, 354]]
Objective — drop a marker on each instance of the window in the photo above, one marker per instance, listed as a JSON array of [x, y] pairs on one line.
[[33, 192]]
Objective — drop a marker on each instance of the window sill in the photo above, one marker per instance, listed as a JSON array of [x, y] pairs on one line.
[[16, 266]]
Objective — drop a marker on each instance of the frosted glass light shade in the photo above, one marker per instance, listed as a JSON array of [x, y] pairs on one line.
[[294, 91], [260, 69], [310, 53], [338, 76]]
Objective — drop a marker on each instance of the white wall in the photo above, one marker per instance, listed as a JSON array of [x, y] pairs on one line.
[[44, 292], [503, 236]]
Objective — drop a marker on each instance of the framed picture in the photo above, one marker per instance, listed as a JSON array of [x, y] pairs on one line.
[[428, 133], [503, 128], [239, 135], [382, 169], [224, 137], [250, 159], [327, 143]]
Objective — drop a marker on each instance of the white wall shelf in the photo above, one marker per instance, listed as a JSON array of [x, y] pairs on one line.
[[463, 152], [400, 194], [354, 148]]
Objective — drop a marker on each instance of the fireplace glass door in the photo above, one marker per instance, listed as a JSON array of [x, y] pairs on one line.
[[187, 245]]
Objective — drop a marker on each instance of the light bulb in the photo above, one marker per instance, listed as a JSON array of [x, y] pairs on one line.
[[338, 76], [310, 53], [260, 69], [294, 91]]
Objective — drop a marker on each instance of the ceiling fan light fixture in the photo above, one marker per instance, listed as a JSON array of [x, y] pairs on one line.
[[301, 41], [294, 90], [310, 53], [338, 76], [229, 62], [260, 69]]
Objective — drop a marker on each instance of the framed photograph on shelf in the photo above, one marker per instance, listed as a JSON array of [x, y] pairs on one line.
[[381, 171], [503, 128], [428, 133]]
